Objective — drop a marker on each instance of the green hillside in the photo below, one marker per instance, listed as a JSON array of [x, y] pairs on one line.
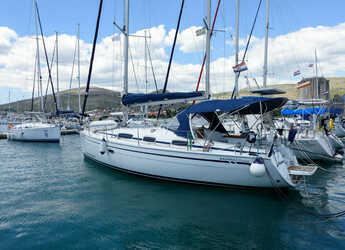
[[100, 98]]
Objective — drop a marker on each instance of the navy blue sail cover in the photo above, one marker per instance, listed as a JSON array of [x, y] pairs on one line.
[[244, 106], [63, 112], [131, 99]]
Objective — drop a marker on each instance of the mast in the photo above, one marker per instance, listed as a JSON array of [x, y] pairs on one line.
[[57, 71], [266, 43], [316, 78], [237, 44], [9, 100], [38, 59], [208, 39], [125, 54], [46, 57], [92, 56], [79, 68], [34, 82]]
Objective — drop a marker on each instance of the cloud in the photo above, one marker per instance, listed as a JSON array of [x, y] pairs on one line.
[[7, 37], [287, 53]]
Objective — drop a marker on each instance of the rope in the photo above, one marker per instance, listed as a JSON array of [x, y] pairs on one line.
[[285, 197]]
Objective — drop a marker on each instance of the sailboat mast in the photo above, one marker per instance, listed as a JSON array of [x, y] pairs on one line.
[[208, 39], [92, 56], [316, 77], [79, 68], [266, 43], [125, 54], [38, 59], [57, 70], [9, 100], [237, 44]]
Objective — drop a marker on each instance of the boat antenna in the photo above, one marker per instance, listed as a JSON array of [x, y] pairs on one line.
[[46, 56], [171, 56]]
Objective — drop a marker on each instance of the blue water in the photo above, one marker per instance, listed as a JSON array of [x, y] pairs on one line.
[[51, 198]]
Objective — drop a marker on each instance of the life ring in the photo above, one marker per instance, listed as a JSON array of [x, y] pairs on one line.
[[11, 125]]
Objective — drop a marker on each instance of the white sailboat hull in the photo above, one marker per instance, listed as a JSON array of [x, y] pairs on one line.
[[339, 130], [36, 133], [181, 165], [318, 148]]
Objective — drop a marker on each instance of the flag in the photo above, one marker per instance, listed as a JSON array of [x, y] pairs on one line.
[[325, 92], [240, 67], [310, 65], [200, 32], [296, 73]]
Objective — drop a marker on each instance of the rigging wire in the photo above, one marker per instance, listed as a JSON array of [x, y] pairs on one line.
[[153, 72], [92, 57], [204, 60], [171, 55], [46, 56], [51, 66], [248, 42], [33, 87], [135, 75], [71, 79]]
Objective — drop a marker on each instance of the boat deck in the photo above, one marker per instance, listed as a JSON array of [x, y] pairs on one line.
[[302, 169]]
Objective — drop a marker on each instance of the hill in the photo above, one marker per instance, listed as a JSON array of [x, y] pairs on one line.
[[337, 87], [100, 98]]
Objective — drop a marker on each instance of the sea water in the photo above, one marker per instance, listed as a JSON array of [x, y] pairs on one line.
[[52, 198]]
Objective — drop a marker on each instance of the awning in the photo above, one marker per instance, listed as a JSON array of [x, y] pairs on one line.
[[305, 113], [244, 106]]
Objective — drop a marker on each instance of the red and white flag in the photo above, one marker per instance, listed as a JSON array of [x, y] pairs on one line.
[[296, 73], [240, 67]]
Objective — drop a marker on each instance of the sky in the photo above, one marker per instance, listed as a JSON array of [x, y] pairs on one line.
[[298, 28]]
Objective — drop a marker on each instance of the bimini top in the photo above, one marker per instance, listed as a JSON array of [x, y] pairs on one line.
[[245, 106], [305, 113], [135, 99]]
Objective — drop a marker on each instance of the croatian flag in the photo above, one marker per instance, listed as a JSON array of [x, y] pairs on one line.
[[240, 67], [296, 73]]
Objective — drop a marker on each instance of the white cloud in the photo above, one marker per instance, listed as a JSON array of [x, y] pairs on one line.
[[7, 37], [287, 53]]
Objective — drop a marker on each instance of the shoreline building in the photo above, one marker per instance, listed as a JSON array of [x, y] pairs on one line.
[[313, 88]]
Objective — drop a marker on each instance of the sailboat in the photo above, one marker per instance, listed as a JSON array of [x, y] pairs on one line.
[[183, 152], [339, 127], [36, 129]]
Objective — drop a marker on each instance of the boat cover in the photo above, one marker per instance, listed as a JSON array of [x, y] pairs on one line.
[[63, 112], [305, 113], [131, 98], [244, 106]]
